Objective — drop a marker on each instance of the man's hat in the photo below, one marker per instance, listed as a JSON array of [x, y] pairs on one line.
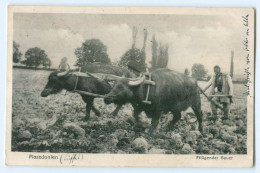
[[216, 66]]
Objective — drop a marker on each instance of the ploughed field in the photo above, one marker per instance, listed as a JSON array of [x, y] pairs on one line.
[[54, 124]]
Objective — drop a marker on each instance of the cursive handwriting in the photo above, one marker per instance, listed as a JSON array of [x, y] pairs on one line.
[[245, 43], [248, 81], [247, 59], [70, 158], [245, 20], [246, 23]]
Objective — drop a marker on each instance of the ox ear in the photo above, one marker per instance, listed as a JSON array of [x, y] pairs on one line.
[[136, 82]]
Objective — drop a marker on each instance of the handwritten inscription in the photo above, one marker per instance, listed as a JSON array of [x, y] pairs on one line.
[[245, 43], [248, 81], [245, 19], [70, 158]]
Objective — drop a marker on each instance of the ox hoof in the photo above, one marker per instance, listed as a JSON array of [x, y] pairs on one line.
[[86, 118], [97, 113], [172, 127], [212, 118], [201, 130], [154, 131], [114, 114], [139, 128]]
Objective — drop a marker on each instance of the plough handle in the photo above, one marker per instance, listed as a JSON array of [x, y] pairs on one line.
[[210, 99]]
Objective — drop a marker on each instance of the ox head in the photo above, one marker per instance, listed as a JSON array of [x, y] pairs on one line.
[[124, 90], [55, 83]]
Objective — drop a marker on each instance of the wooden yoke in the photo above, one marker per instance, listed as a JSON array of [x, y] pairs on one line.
[[149, 82], [76, 83], [110, 78]]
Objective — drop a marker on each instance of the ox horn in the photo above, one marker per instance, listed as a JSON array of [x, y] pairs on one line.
[[61, 74], [136, 82], [94, 76], [112, 77]]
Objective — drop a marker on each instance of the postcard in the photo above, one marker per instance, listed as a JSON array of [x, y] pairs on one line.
[[130, 86]]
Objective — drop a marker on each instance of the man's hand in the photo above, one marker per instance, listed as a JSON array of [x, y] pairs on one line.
[[231, 98]]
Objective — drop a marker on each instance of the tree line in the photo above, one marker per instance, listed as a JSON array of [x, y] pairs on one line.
[[198, 72], [94, 50], [34, 57]]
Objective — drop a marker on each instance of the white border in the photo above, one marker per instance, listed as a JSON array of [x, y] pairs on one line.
[[215, 3], [140, 160]]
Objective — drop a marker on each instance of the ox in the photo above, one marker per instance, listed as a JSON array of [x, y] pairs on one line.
[[173, 92], [58, 81]]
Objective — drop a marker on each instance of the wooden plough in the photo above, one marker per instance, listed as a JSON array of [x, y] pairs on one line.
[[211, 99]]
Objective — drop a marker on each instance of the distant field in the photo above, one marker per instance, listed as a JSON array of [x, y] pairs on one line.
[[54, 124]]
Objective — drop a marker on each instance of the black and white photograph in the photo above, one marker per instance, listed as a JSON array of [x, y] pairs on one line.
[[128, 83]]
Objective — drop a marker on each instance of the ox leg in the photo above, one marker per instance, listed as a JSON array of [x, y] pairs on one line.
[[199, 114], [94, 109], [176, 118], [155, 118], [154, 123], [137, 111], [90, 106], [88, 109], [118, 107]]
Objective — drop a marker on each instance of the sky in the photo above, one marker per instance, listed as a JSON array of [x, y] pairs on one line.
[[205, 39]]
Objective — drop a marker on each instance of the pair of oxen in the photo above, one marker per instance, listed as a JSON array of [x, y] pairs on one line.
[[173, 92]]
